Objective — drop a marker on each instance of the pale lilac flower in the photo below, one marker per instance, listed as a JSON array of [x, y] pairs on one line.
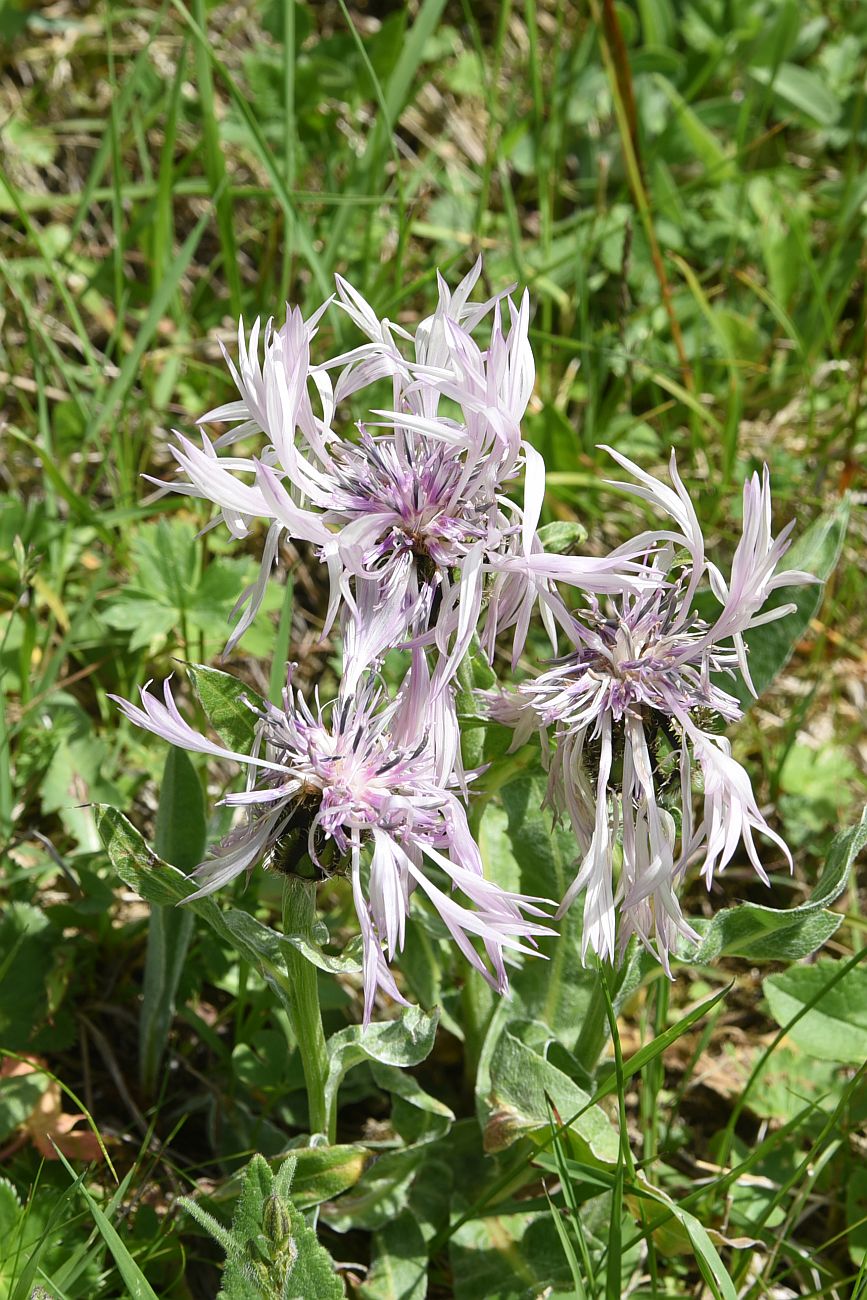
[[631, 710], [412, 516], [349, 781]]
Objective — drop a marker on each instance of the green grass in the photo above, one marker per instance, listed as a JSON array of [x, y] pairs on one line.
[[681, 188]]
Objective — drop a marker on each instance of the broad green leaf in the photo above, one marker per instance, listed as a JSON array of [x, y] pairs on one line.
[[522, 1084], [801, 89], [321, 1173], [835, 1028], [382, 1193], [403, 1042], [763, 934], [772, 645], [841, 855], [223, 699], [790, 1079], [181, 839], [400, 1263], [395, 1080], [508, 1257], [766, 934]]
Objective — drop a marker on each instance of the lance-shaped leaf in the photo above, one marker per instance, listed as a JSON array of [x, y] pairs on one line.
[[157, 882], [768, 934], [223, 699], [524, 1085]]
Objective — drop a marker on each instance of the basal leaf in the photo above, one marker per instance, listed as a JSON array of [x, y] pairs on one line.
[[835, 1028], [801, 89], [523, 1083], [400, 1262]]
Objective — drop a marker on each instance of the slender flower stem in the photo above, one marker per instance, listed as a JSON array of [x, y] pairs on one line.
[[596, 1028], [302, 1000]]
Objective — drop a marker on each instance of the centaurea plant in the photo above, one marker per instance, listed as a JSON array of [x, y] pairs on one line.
[[426, 517]]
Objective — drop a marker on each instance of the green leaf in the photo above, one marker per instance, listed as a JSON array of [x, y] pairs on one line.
[[321, 1173], [157, 882], [400, 1263], [508, 1257], [26, 957], [561, 535], [707, 1256], [522, 1083], [181, 839], [181, 834], [405, 1041], [771, 646], [393, 1079], [223, 699], [801, 89], [766, 934], [382, 1193], [704, 144], [835, 1028], [841, 855]]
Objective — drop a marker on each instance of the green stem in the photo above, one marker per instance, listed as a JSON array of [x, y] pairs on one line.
[[477, 1005], [302, 1002], [594, 1030]]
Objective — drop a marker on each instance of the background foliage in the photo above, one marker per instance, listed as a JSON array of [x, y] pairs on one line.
[[680, 184]]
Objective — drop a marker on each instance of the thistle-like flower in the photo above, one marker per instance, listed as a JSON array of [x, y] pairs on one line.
[[635, 706], [358, 784], [412, 517]]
